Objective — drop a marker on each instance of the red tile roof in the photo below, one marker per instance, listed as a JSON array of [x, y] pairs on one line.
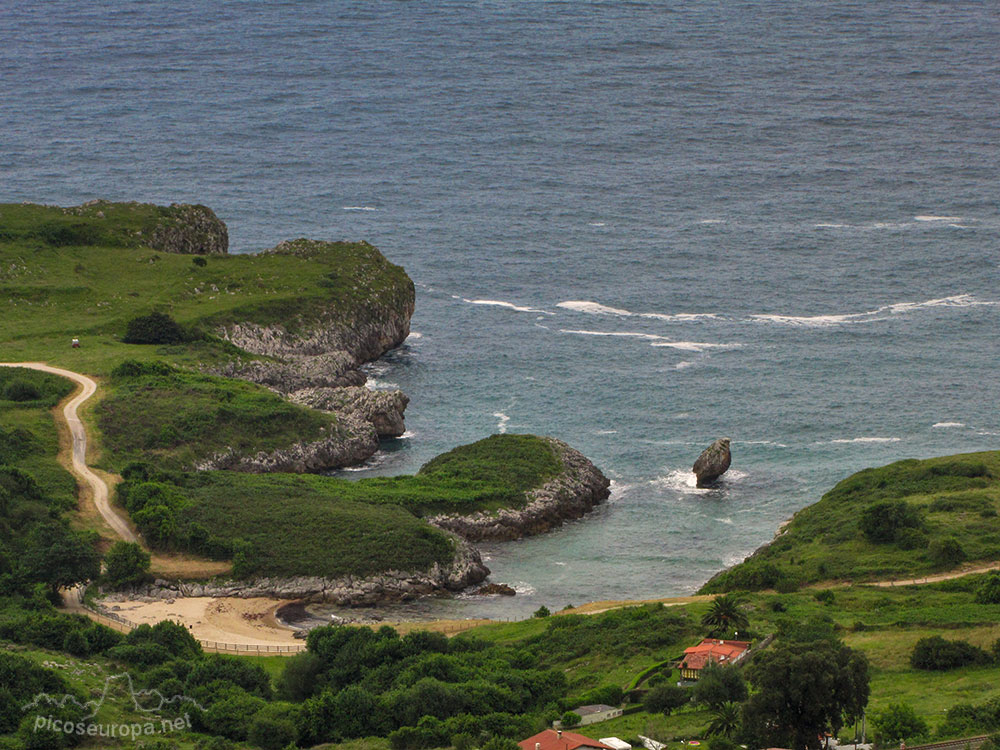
[[549, 739], [712, 649]]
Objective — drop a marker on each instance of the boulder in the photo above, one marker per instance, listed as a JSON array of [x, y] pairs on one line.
[[494, 589], [713, 462]]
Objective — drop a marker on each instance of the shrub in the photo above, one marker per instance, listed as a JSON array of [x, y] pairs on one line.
[[133, 368], [542, 611], [947, 552], [897, 723], [663, 699], [825, 596], [570, 719], [155, 328], [935, 653], [911, 539], [199, 261], [988, 591], [881, 522], [21, 390], [126, 564]]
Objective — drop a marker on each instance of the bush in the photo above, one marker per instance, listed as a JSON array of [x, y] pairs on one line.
[[663, 699], [897, 723], [21, 390], [947, 552], [570, 719], [935, 653], [133, 368], [155, 328], [126, 564], [825, 596], [881, 522], [542, 611], [911, 539], [199, 261], [988, 591]]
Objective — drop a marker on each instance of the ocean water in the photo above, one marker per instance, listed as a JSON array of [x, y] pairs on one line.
[[635, 226]]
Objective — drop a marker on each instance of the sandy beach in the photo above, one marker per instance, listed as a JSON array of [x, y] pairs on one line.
[[230, 620]]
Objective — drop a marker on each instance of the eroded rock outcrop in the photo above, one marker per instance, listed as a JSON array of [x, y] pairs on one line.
[[713, 462], [466, 569], [382, 409], [572, 493], [349, 442], [190, 229]]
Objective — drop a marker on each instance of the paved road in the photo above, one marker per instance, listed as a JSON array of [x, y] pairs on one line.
[[98, 486]]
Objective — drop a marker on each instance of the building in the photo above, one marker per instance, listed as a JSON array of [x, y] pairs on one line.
[[710, 650], [597, 712], [616, 743], [552, 739]]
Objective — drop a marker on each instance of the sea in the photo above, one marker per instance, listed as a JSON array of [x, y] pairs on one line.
[[635, 226]]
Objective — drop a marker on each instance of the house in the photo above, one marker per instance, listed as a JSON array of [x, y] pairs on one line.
[[552, 739], [597, 712], [696, 658], [616, 743]]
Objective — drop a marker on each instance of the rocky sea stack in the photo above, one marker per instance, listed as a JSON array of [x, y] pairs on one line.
[[713, 462]]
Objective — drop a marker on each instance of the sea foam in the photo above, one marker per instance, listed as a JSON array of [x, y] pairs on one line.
[[507, 305]]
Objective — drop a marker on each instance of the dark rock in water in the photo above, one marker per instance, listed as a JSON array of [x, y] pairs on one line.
[[492, 589], [713, 462]]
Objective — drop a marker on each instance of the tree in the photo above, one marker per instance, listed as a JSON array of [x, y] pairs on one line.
[[155, 328], [726, 615], [935, 653], [570, 719], [718, 685], [60, 557], [947, 552], [126, 564], [665, 698], [803, 690], [897, 723], [726, 720]]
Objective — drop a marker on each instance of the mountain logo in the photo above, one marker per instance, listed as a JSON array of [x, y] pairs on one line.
[[143, 701]]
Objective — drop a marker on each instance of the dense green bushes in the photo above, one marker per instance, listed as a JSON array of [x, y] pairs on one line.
[[935, 653], [882, 522], [155, 328]]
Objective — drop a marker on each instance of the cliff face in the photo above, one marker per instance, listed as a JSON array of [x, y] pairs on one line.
[[572, 493], [466, 569]]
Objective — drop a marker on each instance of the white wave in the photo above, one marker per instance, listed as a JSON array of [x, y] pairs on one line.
[[929, 217], [683, 480], [879, 313], [373, 384], [653, 339], [507, 305], [592, 308], [358, 208], [606, 432], [523, 588], [596, 224], [406, 435], [596, 308], [683, 365], [948, 424], [415, 335], [712, 221], [830, 225], [376, 460], [867, 440], [502, 423], [557, 562], [727, 521], [960, 226]]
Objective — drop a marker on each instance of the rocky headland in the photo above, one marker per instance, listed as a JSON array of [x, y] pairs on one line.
[[571, 494]]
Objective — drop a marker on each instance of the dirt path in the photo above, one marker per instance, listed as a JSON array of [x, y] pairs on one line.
[[98, 487], [938, 577]]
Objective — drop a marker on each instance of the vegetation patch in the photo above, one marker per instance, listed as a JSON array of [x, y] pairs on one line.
[[904, 520], [153, 411]]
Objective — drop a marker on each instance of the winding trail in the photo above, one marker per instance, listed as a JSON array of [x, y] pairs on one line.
[[98, 487]]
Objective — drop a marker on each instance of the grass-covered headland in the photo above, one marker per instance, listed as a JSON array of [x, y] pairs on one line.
[[901, 521]]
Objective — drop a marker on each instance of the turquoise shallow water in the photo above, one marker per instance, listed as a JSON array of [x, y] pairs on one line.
[[635, 226]]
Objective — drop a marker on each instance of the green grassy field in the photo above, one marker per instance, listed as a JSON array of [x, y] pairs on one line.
[[67, 272], [176, 419], [953, 497]]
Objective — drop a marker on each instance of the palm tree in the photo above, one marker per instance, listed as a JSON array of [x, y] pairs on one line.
[[725, 615], [725, 720]]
